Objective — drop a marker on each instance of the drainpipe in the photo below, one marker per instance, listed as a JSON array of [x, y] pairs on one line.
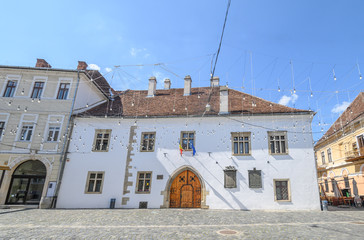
[[65, 146]]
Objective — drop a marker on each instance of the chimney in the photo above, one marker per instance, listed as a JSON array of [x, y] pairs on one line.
[[187, 89], [152, 86], [224, 100], [167, 83], [41, 63], [82, 65], [215, 82]]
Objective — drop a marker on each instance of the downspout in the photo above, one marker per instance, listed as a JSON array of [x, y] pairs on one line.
[[65, 146]]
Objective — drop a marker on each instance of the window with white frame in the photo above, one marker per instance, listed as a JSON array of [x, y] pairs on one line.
[[37, 90], [94, 182], [53, 133], [10, 88], [2, 128], [147, 142], [63, 90], [323, 157], [26, 132], [329, 157], [102, 139], [241, 143], [281, 190], [144, 182], [278, 142]]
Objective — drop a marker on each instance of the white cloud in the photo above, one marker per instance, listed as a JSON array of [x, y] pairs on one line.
[[94, 67], [285, 100], [108, 69], [136, 51], [339, 108]]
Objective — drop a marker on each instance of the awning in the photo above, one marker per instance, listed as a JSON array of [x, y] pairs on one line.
[[4, 167]]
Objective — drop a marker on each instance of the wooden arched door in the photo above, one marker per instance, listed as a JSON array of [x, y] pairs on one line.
[[185, 191]]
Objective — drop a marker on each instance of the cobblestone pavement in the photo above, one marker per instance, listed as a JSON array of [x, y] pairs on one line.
[[179, 224]]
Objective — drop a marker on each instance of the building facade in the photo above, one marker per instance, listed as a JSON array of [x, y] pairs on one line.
[[210, 147], [35, 116], [340, 154]]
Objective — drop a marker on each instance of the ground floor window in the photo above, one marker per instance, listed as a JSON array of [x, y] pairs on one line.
[[144, 181], [94, 182], [281, 190], [326, 185], [230, 177]]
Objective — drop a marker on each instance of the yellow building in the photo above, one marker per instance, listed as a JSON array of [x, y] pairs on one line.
[[340, 154]]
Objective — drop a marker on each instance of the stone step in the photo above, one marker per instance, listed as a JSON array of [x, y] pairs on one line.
[[18, 206]]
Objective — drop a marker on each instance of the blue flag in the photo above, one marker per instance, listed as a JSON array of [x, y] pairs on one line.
[[193, 149]]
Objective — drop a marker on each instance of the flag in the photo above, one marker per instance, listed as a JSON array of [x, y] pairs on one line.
[[193, 149], [180, 149]]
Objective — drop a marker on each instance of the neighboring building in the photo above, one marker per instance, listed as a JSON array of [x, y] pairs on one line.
[[36, 107], [238, 152], [340, 153]]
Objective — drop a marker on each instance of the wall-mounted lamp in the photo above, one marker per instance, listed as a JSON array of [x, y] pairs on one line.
[[165, 154]]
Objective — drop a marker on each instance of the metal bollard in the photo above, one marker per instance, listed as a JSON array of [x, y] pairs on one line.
[[324, 205], [112, 203]]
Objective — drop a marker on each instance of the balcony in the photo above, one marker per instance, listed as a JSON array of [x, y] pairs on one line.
[[354, 153]]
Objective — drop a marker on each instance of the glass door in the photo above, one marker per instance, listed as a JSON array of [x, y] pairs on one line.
[[18, 191], [34, 192]]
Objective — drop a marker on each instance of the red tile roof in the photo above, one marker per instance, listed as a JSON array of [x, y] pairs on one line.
[[171, 102], [99, 81], [353, 112]]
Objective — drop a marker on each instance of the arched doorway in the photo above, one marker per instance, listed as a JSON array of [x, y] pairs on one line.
[[185, 191], [27, 183]]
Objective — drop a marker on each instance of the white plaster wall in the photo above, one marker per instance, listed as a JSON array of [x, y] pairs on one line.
[[87, 93], [212, 135]]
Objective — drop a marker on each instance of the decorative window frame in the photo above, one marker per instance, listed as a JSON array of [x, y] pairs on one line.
[[142, 140], [278, 133], [38, 79], [88, 181], [63, 80], [150, 182], [288, 189], [329, 156], [4, 117], [188, 145], [323, 157], [27, 122], [241, 134], [52, 122], [11, 77], [103, 131]]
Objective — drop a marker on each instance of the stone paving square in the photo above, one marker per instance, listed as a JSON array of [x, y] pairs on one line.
[[179, 224]]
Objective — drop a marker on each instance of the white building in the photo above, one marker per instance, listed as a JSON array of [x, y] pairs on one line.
[[249, 153], [35, 113]]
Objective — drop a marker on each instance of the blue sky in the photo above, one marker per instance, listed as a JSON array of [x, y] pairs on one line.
[[267, 45]]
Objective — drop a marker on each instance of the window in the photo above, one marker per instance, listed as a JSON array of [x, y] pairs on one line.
[[101, 142], [94, 182], [329, 155], [326, 185], [230, 177], [144, 181], [347, 184], [187, 140], [281, 190], [241, 143], [2, 126], [63, 91], [147, 142], [37, 90], [323, 157], [255, 178], [10, 89], [278, 142], [333, 183], [26, 133], [53, 133]]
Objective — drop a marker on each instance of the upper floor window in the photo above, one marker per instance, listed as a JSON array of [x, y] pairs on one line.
[[53, 133], [278, 142], [26, 132], [323, 157], [329, 158], [241, 143], [10, 89], [63, 91], [2, 126], [37, 90], [102, 139], [147, 144], [187, 140]]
